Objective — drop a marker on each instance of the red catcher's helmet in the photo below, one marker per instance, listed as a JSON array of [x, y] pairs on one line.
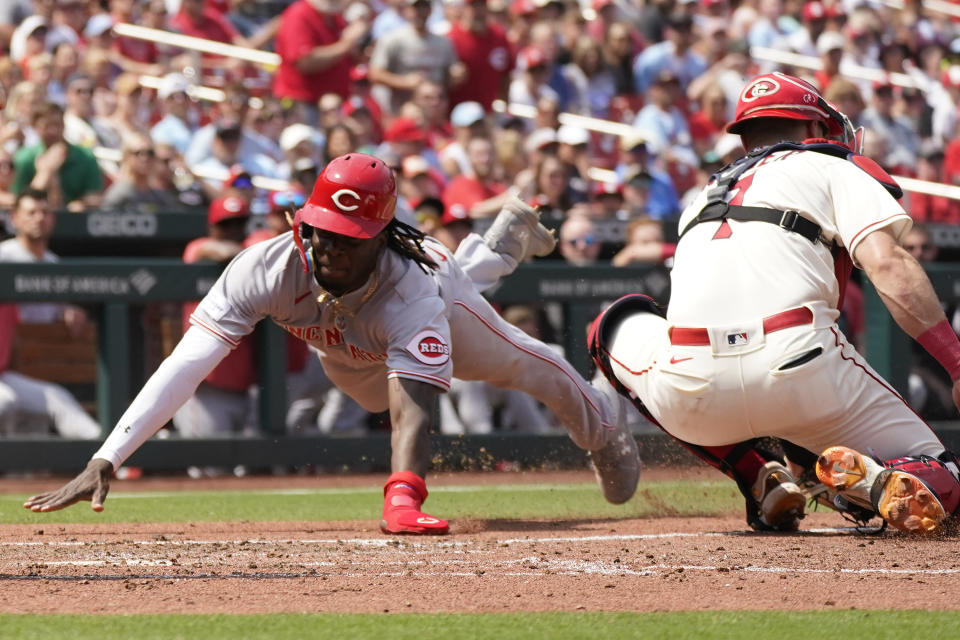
[[354, 195], [777, 95]]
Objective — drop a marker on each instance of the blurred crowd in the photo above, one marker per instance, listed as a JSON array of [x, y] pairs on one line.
[[97, 119]]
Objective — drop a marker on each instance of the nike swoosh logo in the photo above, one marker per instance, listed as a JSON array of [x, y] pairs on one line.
[[427, 520], [297, 301], [675, 360]]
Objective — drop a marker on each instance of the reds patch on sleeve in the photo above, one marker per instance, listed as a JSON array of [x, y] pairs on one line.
[[429, 347]]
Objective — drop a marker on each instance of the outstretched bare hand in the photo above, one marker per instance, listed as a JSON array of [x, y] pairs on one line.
[[92, 484]]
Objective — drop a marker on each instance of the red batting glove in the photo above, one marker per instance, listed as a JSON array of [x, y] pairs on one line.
[[403, 494]]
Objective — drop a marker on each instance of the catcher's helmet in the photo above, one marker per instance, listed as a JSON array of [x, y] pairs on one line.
[[778, 95]]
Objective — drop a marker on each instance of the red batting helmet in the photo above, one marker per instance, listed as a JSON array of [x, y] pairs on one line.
[[354, 195], [778, 95]]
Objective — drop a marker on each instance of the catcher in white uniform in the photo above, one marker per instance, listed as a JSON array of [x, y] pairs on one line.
[[750, 348], [393, 316]]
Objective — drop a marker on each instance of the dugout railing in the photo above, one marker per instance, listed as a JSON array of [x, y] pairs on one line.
[[117, 289]]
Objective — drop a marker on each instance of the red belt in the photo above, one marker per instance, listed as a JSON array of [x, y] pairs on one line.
[[696, 336]]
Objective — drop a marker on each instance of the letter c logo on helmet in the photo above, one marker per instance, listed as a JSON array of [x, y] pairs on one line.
[[345, 207], [760, 88]]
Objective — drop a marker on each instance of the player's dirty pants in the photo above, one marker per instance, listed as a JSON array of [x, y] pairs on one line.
[[710, 399], [486, 347]]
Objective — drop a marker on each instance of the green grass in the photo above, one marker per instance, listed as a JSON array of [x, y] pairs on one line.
[[852, 625], [562, 501]]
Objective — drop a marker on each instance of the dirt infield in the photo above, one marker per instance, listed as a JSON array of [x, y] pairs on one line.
[[661, 564]]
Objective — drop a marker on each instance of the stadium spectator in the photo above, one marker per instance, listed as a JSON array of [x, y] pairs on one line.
[[573, 150], [22, 101], [708, 121], [66, 62], [531, 83], [298, 141], [636, 158], [78, 114], [478, 194], [673, 54], [830, 47], [340, 140], [618, 53], [644, 244], [666, 128], [593, 85], [468, 120], [228, 151], [481, 45], [132, 54], [222, 404], [579, 241], [410, 55], [171, 174], [127, 117], [33, 221], [132, 190], [316, 48], [178, 122], [897, 132], [67, 173]]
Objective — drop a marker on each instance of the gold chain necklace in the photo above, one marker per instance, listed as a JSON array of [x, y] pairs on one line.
[[340, 311]]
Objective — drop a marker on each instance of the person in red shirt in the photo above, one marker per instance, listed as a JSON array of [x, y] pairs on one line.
[[316, 47], [479, 194], [198, 21], [483, 48], [195, 20], [222, 403]]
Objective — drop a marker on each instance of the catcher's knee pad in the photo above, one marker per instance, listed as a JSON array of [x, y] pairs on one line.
[[938, 474], [603, 326]]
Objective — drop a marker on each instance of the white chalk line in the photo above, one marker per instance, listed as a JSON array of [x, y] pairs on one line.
[[404, 543], [468, 566], [533, 487]]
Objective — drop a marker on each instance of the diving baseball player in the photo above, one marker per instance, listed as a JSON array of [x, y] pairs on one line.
[[750, 345], [393, 316]]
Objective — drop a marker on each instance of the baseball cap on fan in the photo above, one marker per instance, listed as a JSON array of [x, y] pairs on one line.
[[227, 208]]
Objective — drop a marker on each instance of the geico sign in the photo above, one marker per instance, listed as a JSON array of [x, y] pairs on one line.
[[122, 224]]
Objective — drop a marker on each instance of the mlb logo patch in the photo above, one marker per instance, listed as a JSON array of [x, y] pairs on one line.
[[737, 339]]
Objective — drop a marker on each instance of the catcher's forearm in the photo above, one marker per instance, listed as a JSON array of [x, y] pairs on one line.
[[168, 388]]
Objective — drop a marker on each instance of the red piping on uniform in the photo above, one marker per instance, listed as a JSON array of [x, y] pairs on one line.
[[200, 323], [628, 369], [400, 373], [539, 357], [877, 224], [883, 383]]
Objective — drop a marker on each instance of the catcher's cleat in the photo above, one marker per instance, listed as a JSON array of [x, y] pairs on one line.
[[617, 464], [780, 502], [517, 232], [902, 499]]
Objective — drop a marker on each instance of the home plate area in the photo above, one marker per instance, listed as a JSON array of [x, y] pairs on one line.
[[659, 564]]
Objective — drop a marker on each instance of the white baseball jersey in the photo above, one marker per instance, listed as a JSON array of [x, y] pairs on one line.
[[758, 269], [804, 383], [401, 330]]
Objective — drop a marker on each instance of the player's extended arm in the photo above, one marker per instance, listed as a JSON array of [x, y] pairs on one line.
[[168, 388], [411, 415], [907, 293]]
